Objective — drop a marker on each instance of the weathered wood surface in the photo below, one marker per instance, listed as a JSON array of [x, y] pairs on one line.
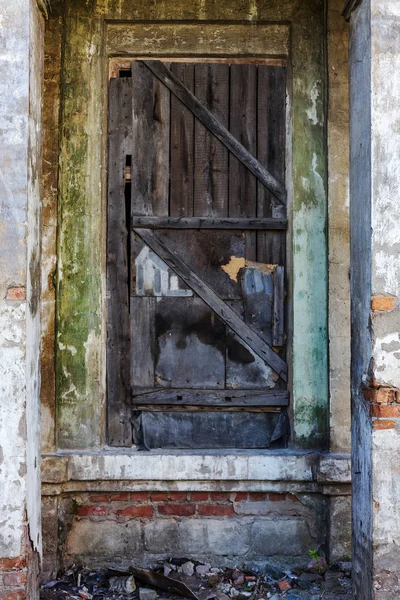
[[190, 342], [214, 302], [118, 232], [208, 223], [271, 132], [208, 119], [182, 144], [143, 311], [150, 150], [211, 156], [224, 398], [278, 325]]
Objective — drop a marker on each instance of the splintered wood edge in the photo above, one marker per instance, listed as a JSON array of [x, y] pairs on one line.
[[117, 64]]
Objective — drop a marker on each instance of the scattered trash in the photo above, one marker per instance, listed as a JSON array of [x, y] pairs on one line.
[[189, 578], [124, 584]]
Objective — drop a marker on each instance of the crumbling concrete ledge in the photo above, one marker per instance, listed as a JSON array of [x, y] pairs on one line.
[[289, 470]]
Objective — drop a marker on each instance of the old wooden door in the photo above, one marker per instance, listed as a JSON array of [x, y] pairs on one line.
[[196, 240]]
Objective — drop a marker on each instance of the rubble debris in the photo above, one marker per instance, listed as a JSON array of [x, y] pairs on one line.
[[122, 584], [147, 594], [192, 579]]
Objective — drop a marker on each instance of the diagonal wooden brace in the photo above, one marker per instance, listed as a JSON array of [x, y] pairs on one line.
[[230, 318]]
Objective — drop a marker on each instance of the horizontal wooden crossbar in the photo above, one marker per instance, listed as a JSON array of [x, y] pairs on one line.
[[207, 223], [209, 120], [211, 398]]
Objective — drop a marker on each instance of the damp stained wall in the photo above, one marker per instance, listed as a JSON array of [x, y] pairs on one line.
[[21, 75], [79, 380]]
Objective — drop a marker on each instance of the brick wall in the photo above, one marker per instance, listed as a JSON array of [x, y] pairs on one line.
[[118, 529], [13, 577]]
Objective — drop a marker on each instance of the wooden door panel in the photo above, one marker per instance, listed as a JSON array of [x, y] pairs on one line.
[[196, 327], [190, 345]]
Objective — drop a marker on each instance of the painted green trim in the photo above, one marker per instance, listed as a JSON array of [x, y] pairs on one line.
[[310, 261]]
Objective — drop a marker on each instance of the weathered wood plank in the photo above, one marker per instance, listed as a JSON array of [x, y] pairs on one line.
[[150, 153], [205, 409], [271, 132], [190, 342], [211, 156], [208, 119], [118, 232], [224, 398], [182, 144], [278, 325], [214, 302], [143, 340], [207, 223], [243, 124]]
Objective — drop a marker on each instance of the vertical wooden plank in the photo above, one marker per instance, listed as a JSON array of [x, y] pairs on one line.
[[118, 322], [143, 311], [278, 324], [182, 145], [211, 156], [271, 126], [150, 132], [243, 124]]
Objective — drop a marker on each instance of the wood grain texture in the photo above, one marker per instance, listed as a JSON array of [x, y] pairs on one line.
[[150, 152], [278, 324], [182, 144], [207, 223], [271, 133], [143, 311], [211, 156], [223, 398], [230, 318], [207, 118], [118, 231]]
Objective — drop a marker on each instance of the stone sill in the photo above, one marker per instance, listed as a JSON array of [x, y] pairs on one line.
[[265, 470]]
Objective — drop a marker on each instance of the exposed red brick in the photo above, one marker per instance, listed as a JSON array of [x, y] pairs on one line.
[[103, 498], [139, 496], [241, 496], [292, 497], [14, 579], [16, 293], [384, 411], [199, 496], [257, 496], [7, 564], [276, 497], [124, 497], [216, 510], [136, 511], [159, 496], [177, 510], [12, 594], [219, 496], [380, 395], [382, 303], [178, 496], [93, 511], [378, 425]]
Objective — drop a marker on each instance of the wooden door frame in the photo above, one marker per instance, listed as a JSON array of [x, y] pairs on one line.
[[307, 190]]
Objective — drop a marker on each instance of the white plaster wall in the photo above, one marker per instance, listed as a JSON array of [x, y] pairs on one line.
[[385, 123], [14, 94], [19, 34]]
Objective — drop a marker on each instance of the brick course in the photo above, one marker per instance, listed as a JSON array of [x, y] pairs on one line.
[[146, 505]]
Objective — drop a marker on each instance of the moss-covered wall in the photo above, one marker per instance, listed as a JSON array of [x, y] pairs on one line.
[[80, 325]]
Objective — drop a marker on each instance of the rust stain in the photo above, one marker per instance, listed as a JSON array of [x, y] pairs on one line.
[[236, 263]]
